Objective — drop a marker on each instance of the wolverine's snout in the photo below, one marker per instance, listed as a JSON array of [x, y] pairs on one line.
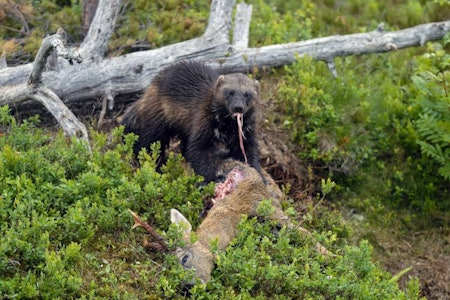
[[237, 108]]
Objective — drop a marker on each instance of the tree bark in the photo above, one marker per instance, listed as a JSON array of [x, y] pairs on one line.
[[131, 73], [88, 8], [100, 31], [35, 90]]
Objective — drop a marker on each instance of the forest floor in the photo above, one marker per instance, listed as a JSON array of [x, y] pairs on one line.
[[426, 252]]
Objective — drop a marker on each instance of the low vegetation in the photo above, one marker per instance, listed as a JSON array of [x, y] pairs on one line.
[[67, 231], [375, 142]]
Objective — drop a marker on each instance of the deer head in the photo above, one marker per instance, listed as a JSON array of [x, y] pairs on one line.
[[196, 256]]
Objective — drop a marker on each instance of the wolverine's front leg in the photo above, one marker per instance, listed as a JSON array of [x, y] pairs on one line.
[[202, 160]]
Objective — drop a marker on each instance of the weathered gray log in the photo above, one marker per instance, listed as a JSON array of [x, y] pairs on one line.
[[327, 48], [131, 73], [3, 63], [35, 90]]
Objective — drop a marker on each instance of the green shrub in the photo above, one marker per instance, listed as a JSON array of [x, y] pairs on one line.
[[273, 23], [58, 200], [382, 136], [262, 264], [433, 125]]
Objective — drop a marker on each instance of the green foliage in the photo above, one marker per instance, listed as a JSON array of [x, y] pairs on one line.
[[28, 22], [390, 136], [153, 24], [58, 200], [259, 264], [433, 125], [365, 15], [273, 23], [325, 115], [308, 109]]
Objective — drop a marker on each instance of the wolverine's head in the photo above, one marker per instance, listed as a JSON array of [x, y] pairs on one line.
[[238, 92]]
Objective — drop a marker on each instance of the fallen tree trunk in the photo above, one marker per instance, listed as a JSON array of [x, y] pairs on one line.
[[34, 89], [131, 73]]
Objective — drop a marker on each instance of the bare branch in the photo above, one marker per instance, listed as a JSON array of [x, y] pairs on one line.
[[95, 44], [107, 103], [242, 25], [3, 63], [332, 67], [219, 22], [327, 48], [48, 44], [66, 119], [35, 90]]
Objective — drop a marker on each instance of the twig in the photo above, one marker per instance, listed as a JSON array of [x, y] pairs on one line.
[[102, 113], [48, 44], [34, 89]]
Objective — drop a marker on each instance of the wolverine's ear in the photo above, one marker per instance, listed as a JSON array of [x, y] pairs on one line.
[[220, 80]]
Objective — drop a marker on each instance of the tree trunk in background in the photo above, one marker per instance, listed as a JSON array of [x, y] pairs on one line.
[[88, 10]]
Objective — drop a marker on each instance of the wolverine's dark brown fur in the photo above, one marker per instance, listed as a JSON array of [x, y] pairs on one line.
[[195, 103]]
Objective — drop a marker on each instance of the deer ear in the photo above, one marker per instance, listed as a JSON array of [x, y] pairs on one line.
[[179, 219]]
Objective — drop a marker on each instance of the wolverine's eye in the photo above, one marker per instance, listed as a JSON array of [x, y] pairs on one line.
[[247, 95], [230, 93]]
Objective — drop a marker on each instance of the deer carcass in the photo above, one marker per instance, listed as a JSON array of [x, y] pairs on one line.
[[238, 195]]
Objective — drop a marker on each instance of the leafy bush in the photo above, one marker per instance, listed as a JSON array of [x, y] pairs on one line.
[[152, 24], [58, 200], [273, 23], [27, 22], [377, 138], [433, 125], [266, 262]]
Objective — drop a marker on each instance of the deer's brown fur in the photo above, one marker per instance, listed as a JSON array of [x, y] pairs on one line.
[[221, 222]]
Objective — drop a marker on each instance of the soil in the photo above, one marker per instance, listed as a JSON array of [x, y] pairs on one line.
[[427, 252]]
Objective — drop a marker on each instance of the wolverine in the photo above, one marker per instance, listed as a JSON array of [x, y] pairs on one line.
[[213, 115]]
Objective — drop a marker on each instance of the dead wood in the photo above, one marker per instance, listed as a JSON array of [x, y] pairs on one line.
[[34, 88]]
